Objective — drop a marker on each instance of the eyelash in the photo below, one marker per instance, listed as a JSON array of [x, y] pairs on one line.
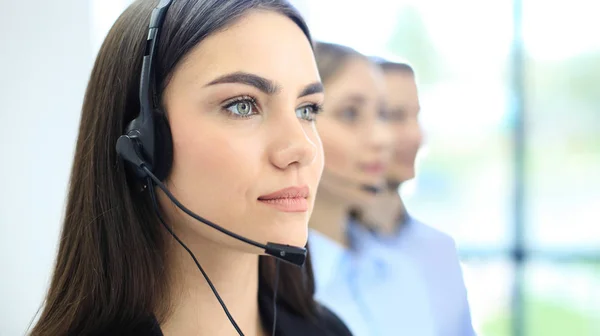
[[241, 99], [316, 108]]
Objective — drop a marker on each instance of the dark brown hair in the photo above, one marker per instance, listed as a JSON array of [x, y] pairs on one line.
[[110, 273], [331, 58]]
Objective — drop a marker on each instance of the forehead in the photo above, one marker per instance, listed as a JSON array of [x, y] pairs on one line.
[[400, 81], [265, 43], [358, 74], [401, 87]]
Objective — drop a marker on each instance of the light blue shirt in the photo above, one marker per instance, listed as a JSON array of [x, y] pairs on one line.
[[409, 284]]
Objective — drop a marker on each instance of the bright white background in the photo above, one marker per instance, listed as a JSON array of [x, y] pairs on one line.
[[45, 60]]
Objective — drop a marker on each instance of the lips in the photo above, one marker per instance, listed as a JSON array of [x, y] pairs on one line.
[[292, 199], [374, 168], [291, 192]]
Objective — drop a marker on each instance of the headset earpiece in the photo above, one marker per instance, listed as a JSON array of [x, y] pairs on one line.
[[163, 150]]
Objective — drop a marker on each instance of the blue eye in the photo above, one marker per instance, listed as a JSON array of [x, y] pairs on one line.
[[308, 112], [242, 107]]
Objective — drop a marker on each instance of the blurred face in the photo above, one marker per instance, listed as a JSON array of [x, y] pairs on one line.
[[247, 154], [403, 103], [356, 138]]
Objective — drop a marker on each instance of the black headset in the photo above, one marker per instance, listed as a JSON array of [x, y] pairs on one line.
[[147, 148], [147, 139]]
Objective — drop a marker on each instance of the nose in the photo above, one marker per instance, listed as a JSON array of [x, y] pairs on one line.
[[292, 143], [417, 134], [380, 136], [413, 133]]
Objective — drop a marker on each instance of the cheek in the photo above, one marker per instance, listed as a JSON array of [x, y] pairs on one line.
[[338, 146], [407, 137], [210, 166], [402, 140]]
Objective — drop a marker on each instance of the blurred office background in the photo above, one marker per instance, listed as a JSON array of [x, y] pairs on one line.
[[510, 94]]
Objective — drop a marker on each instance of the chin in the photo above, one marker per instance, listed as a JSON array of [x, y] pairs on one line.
[[292, 232], [360, 198], [402, 175], [286, 231]]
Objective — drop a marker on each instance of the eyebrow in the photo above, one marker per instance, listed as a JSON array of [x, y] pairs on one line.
[[316, 87], [245, 78], [263, 84], [401, 109], [356, 98], [404, 109]]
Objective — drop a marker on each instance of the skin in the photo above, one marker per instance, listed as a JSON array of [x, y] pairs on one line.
[[232, 144], [403, 101], [356, 142]]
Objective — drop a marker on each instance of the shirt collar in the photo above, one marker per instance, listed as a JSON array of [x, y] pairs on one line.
[[362, 237], [379, 249], [328, 257]]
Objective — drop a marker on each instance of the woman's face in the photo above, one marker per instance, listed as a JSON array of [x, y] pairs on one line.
[[247, 155], [403, 102], [355, 134]]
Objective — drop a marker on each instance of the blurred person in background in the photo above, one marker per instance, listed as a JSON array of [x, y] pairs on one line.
[[385, 227], [357, 146]]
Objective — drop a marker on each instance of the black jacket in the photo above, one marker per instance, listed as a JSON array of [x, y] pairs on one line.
[[288, 323]]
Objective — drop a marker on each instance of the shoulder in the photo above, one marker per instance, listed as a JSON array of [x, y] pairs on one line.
[[434, 248], [331, 323], [322, 322], [431, 236]]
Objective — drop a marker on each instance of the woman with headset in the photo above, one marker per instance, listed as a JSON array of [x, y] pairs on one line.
[[385, 228], [370, 293], [195, 173]]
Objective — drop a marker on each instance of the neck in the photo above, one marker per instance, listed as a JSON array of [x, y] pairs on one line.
[[386, 213], [194, 308], [330, 217]]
